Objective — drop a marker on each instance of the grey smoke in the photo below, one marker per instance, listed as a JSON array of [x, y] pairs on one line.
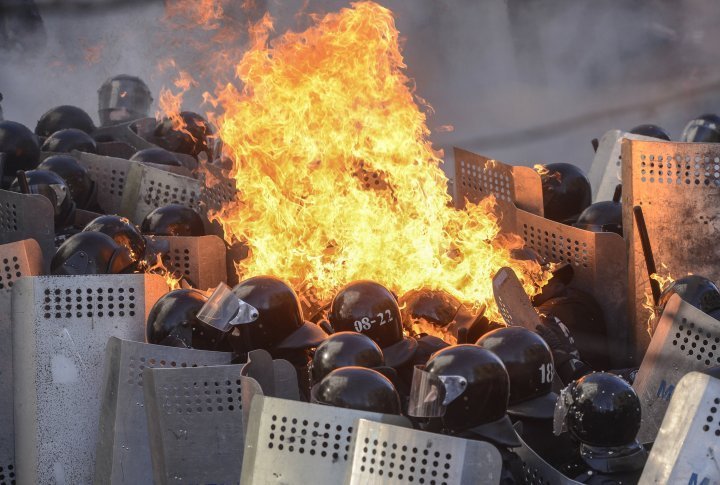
[[523, 81]]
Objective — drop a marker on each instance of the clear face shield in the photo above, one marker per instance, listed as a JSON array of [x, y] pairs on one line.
[[224, 310], [430, 394]]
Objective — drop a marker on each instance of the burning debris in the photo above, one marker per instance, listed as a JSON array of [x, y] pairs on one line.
[[287, 280]]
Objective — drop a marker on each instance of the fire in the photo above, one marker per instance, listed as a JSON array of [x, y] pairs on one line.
[[337, 178], [544, 172], [664, 280], [173, 281]]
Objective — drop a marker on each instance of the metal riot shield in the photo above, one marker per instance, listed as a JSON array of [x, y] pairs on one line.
[[678, 186], [18, 259], [148, 188], [687, 448], [202, 260], [606, 169], [537, 471], [117, 149], [28, 216], [386, 454], [685, 340], [61, 325], [195, 421], [478, 177], [276, 378], [513, 302], [599, 264], [123, 450], [297, 442], [127, 133]]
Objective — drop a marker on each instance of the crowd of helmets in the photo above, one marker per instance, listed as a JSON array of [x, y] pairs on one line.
[[487, 382]]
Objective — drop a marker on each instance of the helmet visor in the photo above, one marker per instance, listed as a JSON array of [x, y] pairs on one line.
[[224, 310], [430, 394], [701, 131], [55, 193]]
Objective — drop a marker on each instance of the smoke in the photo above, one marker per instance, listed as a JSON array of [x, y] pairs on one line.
[[523, 81]]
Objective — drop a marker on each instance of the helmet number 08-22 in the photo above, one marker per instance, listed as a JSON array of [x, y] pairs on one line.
[[365, 323], [546, 372]]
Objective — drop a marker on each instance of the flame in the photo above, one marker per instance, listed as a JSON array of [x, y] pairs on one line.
[[170, 103], [543, 171], [337, 178], [173, 281], [663, 280]]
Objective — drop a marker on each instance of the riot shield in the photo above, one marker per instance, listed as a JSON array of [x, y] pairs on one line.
[[386, 454], [61, 325], [123, 450], [685, 340]]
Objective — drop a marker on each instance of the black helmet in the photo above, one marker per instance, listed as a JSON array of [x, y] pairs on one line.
[[279, 325], [54, 188], [583, 317], [82, 188], [345, 349], [21, 150], [63, 117], [88, 253], [357, 388], [65, 141], [603, 216], [602, 410], [566, 191], [436, 307], [122, 231], [122, 99], [705, 129], [173, 220], [653, 131], [468, 387], [158, 156], [173, 322], [697, 290], [529, 363], [368, 307], [188, 135]]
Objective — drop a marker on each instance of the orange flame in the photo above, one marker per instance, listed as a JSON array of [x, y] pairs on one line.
[[159, 268], [649, 304], [337, 178]]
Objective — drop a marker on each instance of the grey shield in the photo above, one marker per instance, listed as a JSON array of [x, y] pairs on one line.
[[687, 449], [195, 421], [61, 325], [125, 133], [295, 442], [123, 451], [538, 471], [276, 378], [383, 453], [678, 185], [599, 264], [27, 216], [148, 188], [606, 169], [478, 177], [685, 340], [117, 149], [200, 259], [22, 258], [512, 301]]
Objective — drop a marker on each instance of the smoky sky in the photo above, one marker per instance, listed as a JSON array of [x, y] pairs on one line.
[[522, 81]]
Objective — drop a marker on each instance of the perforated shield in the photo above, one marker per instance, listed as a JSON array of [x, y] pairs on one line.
[[478, 177], [599, 265], [123, 451], [148, 188], [61, 325], [537, 471], [276, 378], [513, 302], [125, 133], [22, 258], [195, 419], [116, 149], [606, 169], [310, 441], [383, 453], [27, 216], [678, 187], [687, 448], [685, 340], [200, 259]]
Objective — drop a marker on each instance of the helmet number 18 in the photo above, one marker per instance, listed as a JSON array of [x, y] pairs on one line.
[[546, 372], [365, 323]]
